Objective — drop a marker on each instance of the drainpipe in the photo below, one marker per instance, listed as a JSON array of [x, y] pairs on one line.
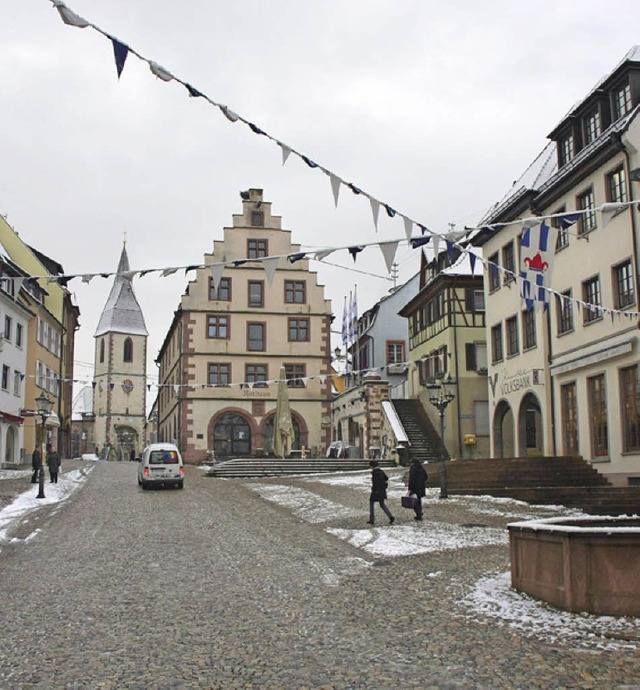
[[552, 400], [455, 349]]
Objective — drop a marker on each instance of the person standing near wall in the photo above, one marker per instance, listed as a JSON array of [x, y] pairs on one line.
[[418, 485]]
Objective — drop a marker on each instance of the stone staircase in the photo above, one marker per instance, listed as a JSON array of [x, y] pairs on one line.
[[270, 467], [423, 438], [567, 481]]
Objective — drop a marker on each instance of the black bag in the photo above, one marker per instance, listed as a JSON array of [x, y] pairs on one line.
[[409, 501]]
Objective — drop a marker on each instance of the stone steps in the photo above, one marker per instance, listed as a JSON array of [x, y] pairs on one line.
[[568, 481], [269, 467]]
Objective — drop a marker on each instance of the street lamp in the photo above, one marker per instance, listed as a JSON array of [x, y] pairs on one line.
[[441, 393], [43, 408]]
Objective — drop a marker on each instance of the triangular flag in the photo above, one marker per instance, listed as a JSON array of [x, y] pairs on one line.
[[323, 254], [419, 241], [160, 72], [285, 152], [309, 162], [112, 386], [194, 93], [176, 389], [449, 252], [216, 275], [69, 17], [391, 212], [270, 264], [229, 114], [408, 227], [322, 378], [375, 209], [335, 186], [255, 128], [239, 262], [472, 262], [354, 251], [436, 245], [298, 256], [120, 51], [94, 384], [388, 250], [128, 275], [609, 210], [168, 271]]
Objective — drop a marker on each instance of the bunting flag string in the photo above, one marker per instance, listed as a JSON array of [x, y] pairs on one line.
[[452, 239], [177, 387]]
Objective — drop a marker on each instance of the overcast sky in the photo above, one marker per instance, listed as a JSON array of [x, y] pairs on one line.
[[432, 107]]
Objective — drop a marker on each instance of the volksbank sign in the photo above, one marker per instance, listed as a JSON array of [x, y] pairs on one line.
[[521, 380]]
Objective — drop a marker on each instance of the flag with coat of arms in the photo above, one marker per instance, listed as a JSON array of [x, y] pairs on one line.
[[537, 250]]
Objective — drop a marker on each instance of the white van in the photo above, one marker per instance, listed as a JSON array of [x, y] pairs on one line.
[[161, 465]]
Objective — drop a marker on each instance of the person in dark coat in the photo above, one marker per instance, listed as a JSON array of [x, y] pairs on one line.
[[36, 465], [417, 485], [379, 482], [53, 461]]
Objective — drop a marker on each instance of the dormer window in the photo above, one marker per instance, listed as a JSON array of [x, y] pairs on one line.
[[567, 150], [622, 100], [593, 128]]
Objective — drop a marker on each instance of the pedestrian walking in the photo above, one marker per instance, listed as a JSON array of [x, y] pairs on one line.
[[36, 465], [379, 481], [53, 462], [417, 485]]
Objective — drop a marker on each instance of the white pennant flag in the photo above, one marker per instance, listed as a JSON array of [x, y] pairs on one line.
[[229, 114], [88, 277], [69, 16], [408, 227], [335, 186], [388, 250], [216, 275], [168, 271], [285, 153], [17, 285], [176, 389], [270, 264], [160, 72], [128, 274], [323, 254], [609, 210], [435, 239], [375, 209], [322, 378]]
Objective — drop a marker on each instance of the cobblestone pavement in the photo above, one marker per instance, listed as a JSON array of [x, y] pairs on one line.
[[216, 587]]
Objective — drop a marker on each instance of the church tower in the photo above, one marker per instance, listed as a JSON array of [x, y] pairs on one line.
[[120, 365]]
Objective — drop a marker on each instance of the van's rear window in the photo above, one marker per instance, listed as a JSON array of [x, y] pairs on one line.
[[163, 457]]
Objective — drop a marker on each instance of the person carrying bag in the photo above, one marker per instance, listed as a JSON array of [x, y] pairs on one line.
[[417, 487]]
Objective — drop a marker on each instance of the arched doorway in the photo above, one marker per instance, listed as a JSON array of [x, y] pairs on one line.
[[503, 431], [530, 426], [267, 434], [232, 436], [11, 445]]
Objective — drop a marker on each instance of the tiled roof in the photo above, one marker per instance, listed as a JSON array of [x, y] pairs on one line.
[[122, 313]]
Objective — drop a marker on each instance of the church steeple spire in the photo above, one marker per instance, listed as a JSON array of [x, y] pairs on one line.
[[122, 313]]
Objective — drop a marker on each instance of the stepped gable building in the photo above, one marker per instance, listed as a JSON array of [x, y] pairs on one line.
[[120, 364], [566, 380], [221, 359]]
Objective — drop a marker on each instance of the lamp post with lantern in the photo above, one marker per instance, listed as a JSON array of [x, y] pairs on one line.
[[441, 393], [44, 405]]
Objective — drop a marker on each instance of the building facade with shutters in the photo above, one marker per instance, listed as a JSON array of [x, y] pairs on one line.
[[447, 337], [120, 377], [247, 314], [564, 380], [36, 283]]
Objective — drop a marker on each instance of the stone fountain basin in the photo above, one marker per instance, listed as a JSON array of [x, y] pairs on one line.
[[589, 563]]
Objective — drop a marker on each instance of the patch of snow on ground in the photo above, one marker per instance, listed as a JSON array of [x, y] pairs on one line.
[[27, 501], [494, 601], [424, 537], [304, 504], [15, 474]]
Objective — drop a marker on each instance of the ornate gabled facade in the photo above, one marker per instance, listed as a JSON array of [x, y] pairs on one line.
[[119, 397], [566, 380], [233, 332]]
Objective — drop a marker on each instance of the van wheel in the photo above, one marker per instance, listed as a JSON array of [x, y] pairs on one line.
[[139, 482], [144, 486], [180, 485]]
